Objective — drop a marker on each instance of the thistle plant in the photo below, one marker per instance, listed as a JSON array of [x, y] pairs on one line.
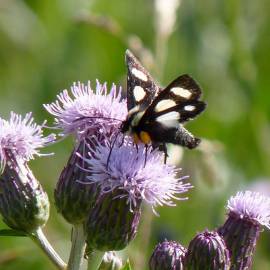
[[105, 184], [248, 212], [101, 189], [24, 205], [83, 114], [230, 247], [123, 185]]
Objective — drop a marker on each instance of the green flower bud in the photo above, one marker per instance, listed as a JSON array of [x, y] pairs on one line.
[[207, 251], [111, 224], [168, 255], [73, 197], [24, 204]]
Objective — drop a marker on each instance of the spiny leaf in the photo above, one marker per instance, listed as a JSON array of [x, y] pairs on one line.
[[127, 266], [10, 232]]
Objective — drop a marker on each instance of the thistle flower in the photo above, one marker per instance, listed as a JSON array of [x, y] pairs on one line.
[[85, 113], [207, 251], [123, 184], [152, 181], [23, 203], [247, 212], [168, 255]]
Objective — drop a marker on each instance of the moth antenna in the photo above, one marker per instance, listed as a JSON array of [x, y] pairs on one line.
[[165, 150], [111, 148], [97, 117]]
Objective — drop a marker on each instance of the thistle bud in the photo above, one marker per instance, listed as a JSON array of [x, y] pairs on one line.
[[207, 251], [24, 205], [74, 198], [111, 224], [247, 212], [168, 255]]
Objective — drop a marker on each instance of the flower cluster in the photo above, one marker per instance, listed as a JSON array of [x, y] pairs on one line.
[[229, 247], [107, 170], [107, 179]]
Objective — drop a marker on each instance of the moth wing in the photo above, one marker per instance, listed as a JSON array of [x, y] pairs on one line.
[[141, 88], [178, 102]]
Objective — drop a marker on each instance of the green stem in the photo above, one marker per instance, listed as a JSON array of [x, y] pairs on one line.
[[96, 264], [40, 239], [89, 263], [77, 248]]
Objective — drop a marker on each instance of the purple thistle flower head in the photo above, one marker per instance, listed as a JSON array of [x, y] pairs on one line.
[[22, 137], [86, 111], [152, 181], [251, 206]]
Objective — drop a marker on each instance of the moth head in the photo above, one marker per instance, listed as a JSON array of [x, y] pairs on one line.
[[132, 121]]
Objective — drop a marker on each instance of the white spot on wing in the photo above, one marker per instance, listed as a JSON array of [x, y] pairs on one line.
[[139, 74], [139, 93], [169, 119], [164, 104], [189, 108], [179, 91]]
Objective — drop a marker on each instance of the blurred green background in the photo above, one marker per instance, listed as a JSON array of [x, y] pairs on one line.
[[47, 45]]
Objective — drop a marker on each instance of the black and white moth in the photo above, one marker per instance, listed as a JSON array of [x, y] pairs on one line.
[[156, 115]]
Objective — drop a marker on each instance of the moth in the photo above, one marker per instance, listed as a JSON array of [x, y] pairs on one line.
[[156, 115]]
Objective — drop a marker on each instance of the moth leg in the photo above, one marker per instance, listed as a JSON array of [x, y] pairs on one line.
[[165, 150], [123, 140], [137, 147], [111, 148], [146, 150]]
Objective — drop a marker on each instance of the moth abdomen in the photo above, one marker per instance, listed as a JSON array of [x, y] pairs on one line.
[[185, 138]]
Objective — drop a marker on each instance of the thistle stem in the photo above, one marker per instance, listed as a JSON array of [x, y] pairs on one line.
[[40, 239], [77, 248], [97, 262], [89, 264]]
